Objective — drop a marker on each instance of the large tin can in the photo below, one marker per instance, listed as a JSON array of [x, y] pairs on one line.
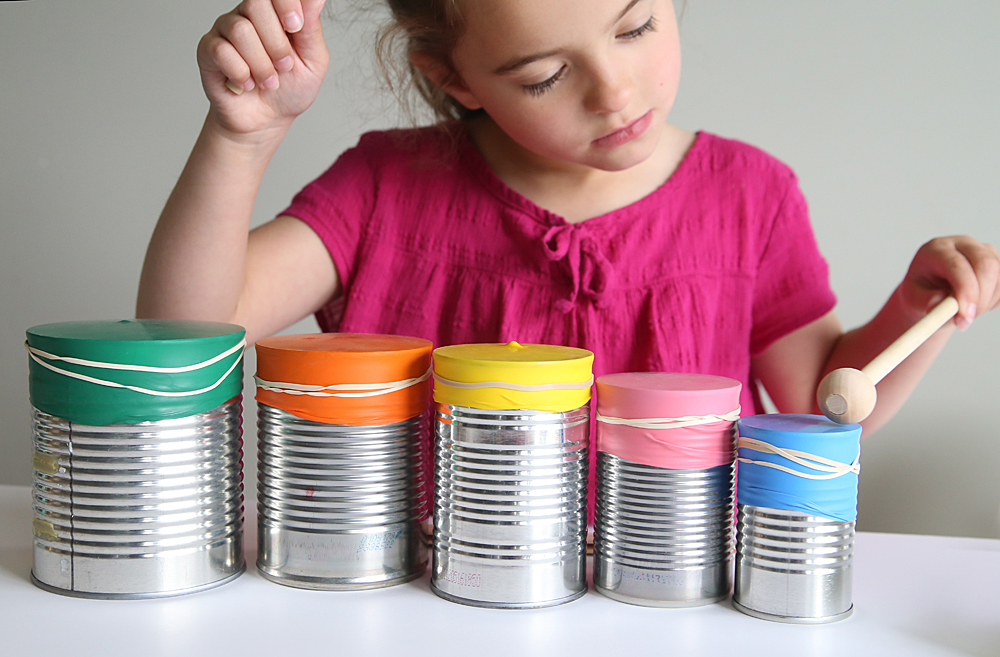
[[797, 488], [511, 483], [136, 509], [665, 488], [140, 510], [342, 484]]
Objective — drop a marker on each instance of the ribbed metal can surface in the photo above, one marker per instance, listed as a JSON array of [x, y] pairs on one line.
[[339, 507], [138, 510], [663, 537], [510, 506], [792, 567]]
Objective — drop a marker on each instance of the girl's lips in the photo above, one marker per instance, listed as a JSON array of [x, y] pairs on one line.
[[626, 134]]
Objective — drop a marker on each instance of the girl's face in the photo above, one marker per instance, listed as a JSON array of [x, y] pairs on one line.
[[587, 82]]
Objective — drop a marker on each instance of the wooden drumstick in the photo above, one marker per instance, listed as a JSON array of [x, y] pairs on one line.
[[848, 395]]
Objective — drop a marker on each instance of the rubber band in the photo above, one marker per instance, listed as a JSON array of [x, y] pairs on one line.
[[833, 468], [670, 422], [370, 389], [134, 368], [503, 385], [138, 368]]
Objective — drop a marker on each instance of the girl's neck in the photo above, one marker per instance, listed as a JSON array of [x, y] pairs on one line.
[[576, 192]]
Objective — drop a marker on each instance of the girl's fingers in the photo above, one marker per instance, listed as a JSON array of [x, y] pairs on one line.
[[970, 268], [952, 265], [289, 12], [242, 34], [219, 55], [984, 261], [308, 41], [965, 285], [270, 31]]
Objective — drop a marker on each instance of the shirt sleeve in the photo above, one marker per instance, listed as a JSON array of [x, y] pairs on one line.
[[338, 206], [793, 280]]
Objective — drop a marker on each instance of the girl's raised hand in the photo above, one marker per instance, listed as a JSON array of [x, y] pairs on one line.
[[956, 265], [262, 65]]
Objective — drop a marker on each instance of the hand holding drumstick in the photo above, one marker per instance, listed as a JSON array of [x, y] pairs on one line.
[[970, 269]]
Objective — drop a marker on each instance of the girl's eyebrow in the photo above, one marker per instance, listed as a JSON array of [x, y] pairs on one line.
[[520, 62], [626, 10]]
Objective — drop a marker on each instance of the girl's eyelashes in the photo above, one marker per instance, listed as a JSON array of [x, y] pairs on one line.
[[539, 88], [648, 26]]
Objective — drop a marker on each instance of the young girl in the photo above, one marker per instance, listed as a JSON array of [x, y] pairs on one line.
[[553, 203]]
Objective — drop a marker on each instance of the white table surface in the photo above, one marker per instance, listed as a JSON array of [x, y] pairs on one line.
[[913, 595]]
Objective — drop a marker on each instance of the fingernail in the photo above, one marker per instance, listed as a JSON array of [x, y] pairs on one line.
[[292, 21], [232, 87], [248, 85], [970, 312], [285, 63], [270, 83]]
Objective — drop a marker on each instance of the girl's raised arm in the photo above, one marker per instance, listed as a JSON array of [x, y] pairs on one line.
[[262, 65]]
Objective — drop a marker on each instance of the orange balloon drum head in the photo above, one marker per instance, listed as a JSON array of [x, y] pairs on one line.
[[355, 379]]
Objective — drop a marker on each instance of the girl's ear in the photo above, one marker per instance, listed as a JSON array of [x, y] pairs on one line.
[[443, 76]]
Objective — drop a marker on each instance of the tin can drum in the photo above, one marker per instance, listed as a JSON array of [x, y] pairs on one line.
[[342, 440], [138, 482], [663, 534], [797, 489], [510, 499]]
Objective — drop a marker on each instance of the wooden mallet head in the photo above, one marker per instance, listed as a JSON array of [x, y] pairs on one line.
[[846, 396]]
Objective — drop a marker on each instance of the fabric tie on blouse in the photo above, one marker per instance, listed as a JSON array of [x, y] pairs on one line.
[[590, 270]]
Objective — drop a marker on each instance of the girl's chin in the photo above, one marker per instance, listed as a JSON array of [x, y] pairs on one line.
[[620, 159]]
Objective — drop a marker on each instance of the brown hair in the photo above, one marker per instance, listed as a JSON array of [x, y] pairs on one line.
[[429, 27]]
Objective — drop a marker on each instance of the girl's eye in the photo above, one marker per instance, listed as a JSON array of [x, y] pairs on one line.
[[541, 87], [648, 26]]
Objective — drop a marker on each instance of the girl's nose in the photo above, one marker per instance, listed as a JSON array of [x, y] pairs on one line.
[[611, 90]]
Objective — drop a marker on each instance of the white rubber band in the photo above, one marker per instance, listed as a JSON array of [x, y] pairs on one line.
[[670, 422], [503, 385], [136, 368], [139, 368], [833, 469], [367, 389]]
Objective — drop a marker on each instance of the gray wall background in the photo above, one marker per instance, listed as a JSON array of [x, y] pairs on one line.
[[886, 110]]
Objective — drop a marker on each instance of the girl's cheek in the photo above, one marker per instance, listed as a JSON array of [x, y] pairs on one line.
[[667, 75]]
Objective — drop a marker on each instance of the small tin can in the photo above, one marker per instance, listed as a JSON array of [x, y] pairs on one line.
[[663, 537], [136, 494], [511, 483], [797, 487], [792, 567], [342, 484], [665, 488]]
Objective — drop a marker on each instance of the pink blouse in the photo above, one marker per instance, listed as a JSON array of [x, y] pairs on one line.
[[699, 276]]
